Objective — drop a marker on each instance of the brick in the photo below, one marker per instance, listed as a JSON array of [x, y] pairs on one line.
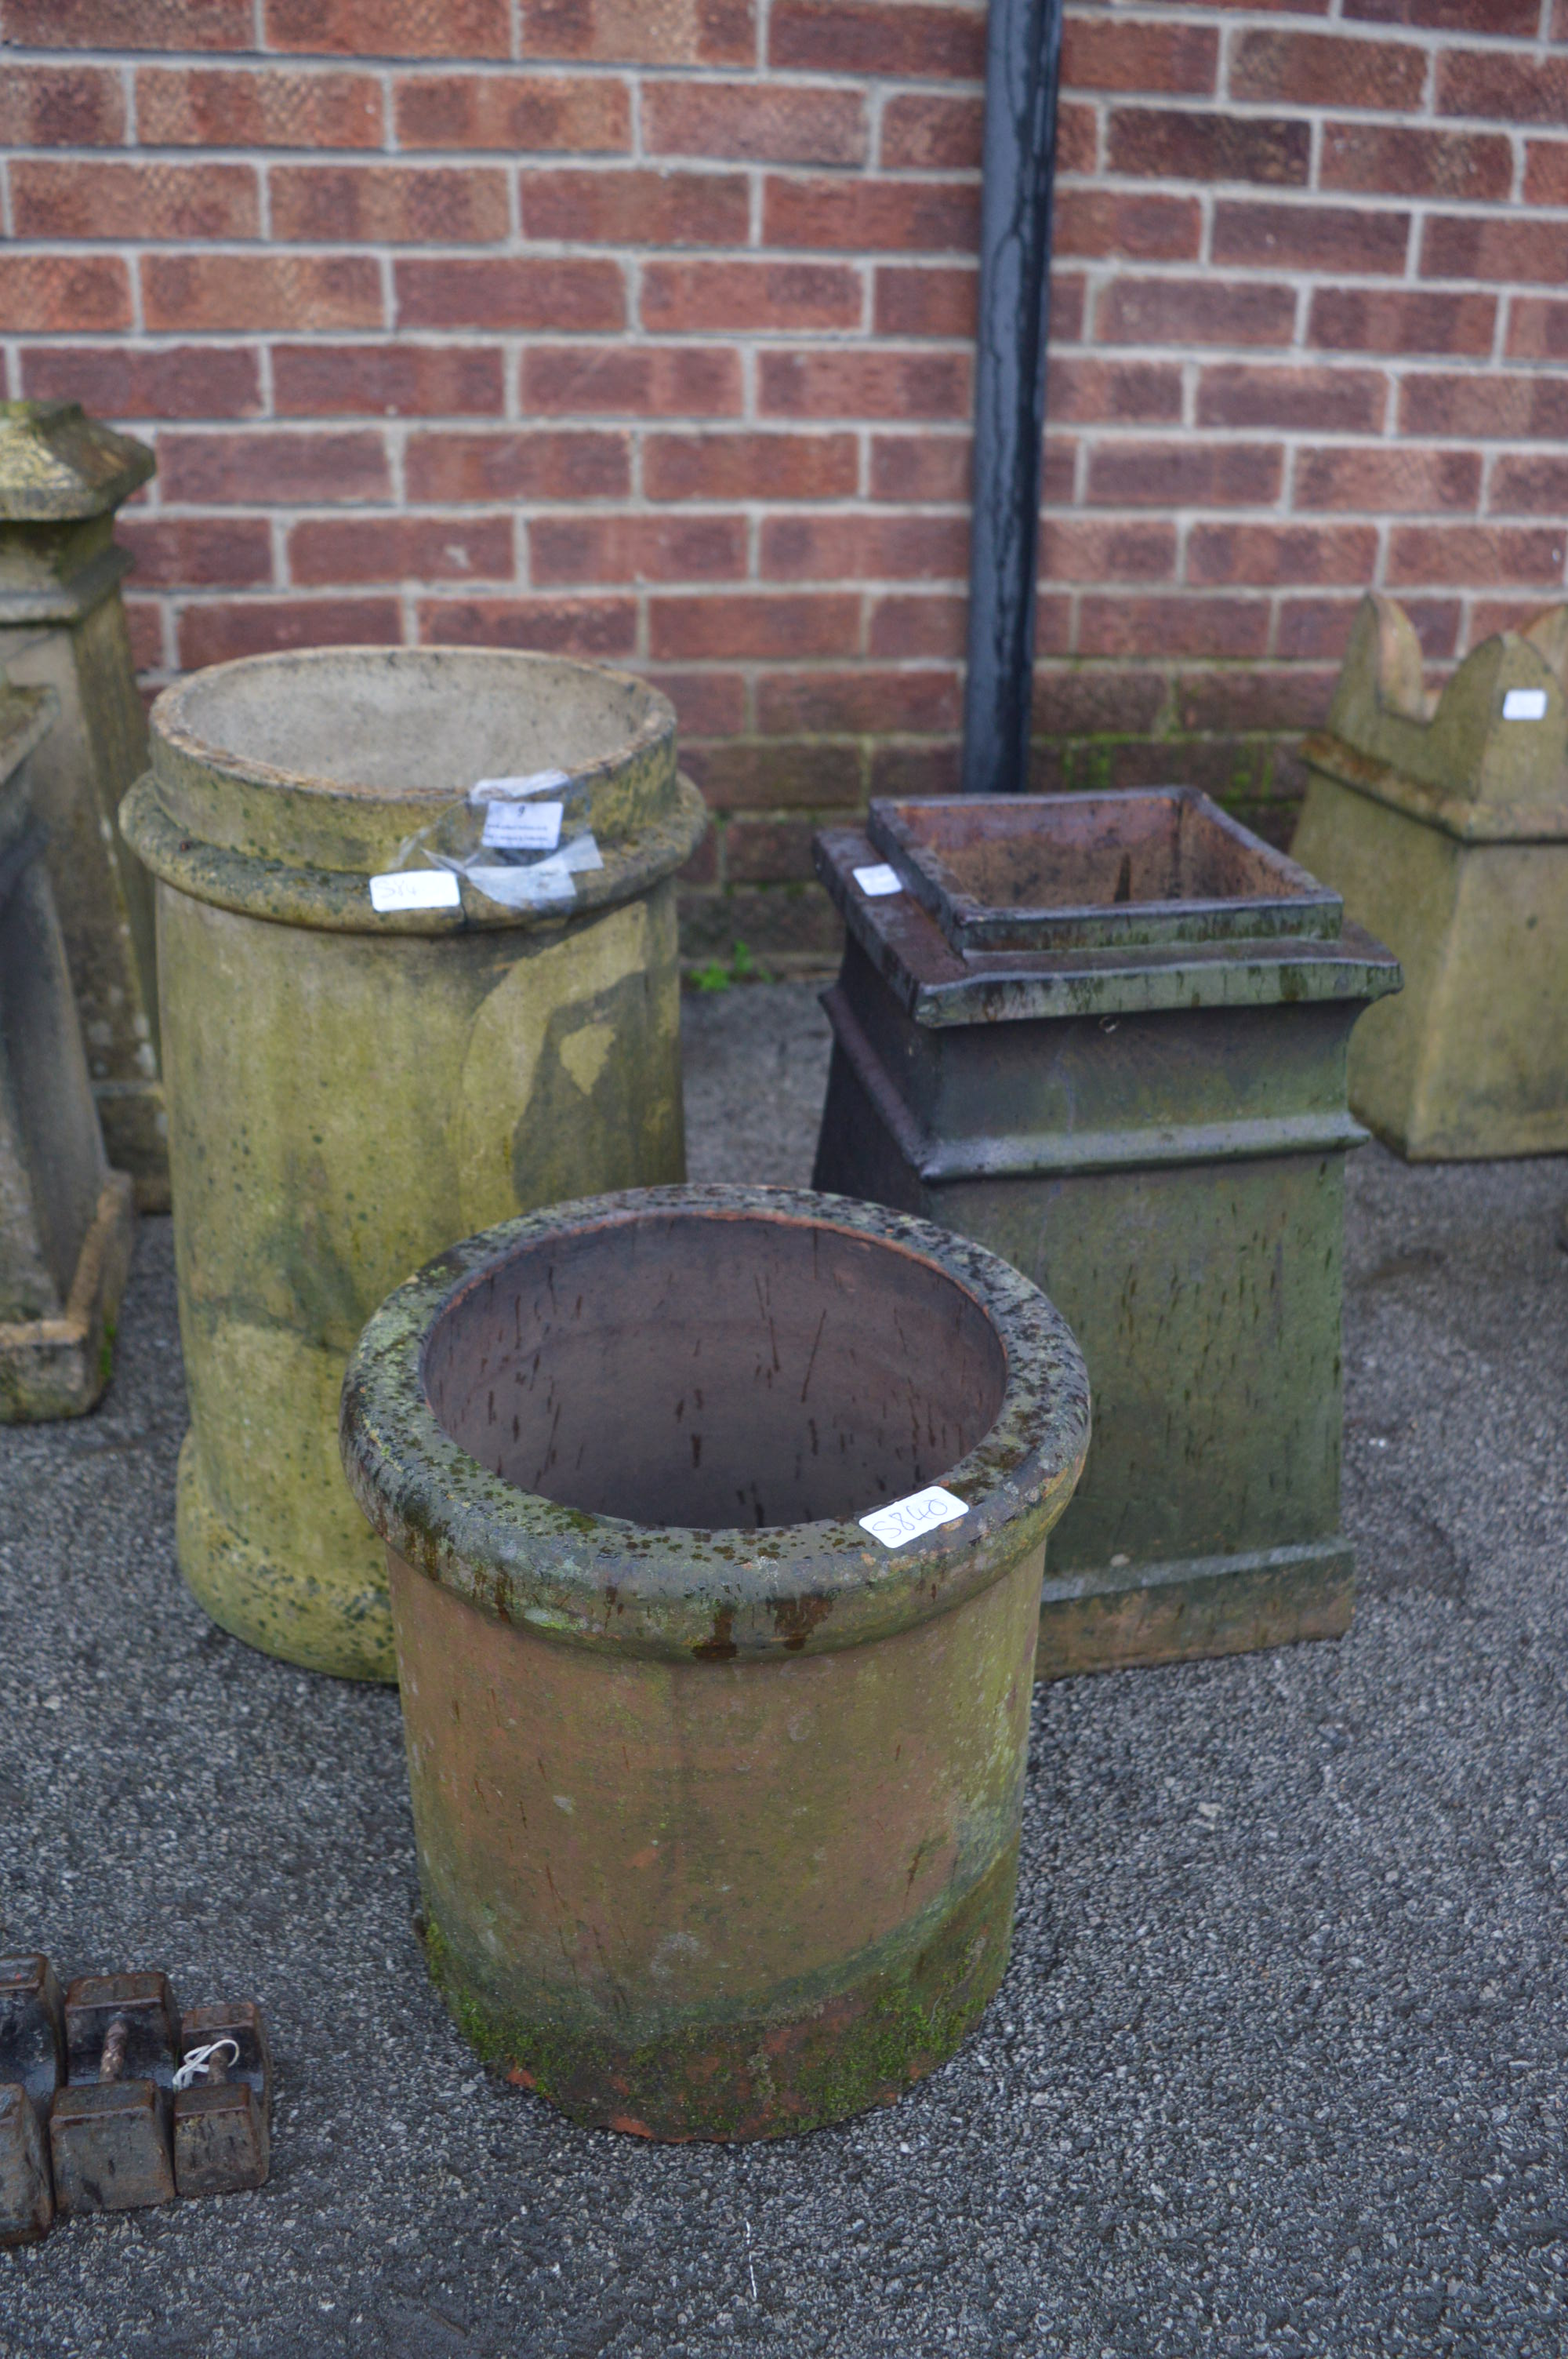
[[763, 775], [61, 106], [1077, 138], [1532, 483], [1195, 311], [1519, 18], [845, 384], [611, 208], [858, 548], [921, 467], [1491, 616], [1316, 400], [1118, 393], [1360, 320], [702, 867], [43, 294], [1098, 223], [929, 216], [1538, 329], [904, 629], [1501, 88], [243, 292], [1176, 625], [130, 24], [631, 380], [550, 465], [1469, 555], [401, 380], [858, 701], [1321, 70], [1315, 630], [1093, 700], [901, 768], [878, 37], [799, 929], [221, 629], [1181, 144], [390, 29], [1185, 473], [1546, 172], [755, 122], [776, 850], [180, 381], [332, 551], [634, 549], [1294, 696], [1400, 481], [270, 469], [932, 131], [265, 106], [598, 630], [735, 297], [1463, 245], [718, 466], [518, 114], [1490, 405], [1375, 157], [388, 204], [143, 622], [511, 291], [1091, 548], [929, 300], [178, 552], [1221, 556], [1311, 237], [642, 32], [771, 626], [139, 201], [1165, 60], [707, 703]]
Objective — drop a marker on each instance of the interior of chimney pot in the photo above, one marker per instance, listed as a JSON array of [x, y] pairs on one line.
[[746, 1371]]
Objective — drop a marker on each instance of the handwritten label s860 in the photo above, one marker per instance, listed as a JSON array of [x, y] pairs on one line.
[[414, 888], [906, 1520]]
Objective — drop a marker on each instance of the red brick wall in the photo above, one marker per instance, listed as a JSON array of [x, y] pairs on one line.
[[641, 329]]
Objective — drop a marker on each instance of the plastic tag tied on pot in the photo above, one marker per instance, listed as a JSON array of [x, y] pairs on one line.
[[504, 837], [538, 884], [522, 827], [907, 1519]]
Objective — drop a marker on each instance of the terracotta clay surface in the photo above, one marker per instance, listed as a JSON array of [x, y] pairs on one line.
[[716, 1795]]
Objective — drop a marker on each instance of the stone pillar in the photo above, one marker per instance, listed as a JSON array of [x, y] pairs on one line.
[[66, 1219], [62, 626]]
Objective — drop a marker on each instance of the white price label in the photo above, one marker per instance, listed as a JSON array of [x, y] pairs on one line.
[[906, 1520], [522, 827], [875, 882], [517, 790], [1524, 705], [414, 888]]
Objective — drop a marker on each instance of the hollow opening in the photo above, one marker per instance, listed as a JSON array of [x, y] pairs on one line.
[[1092, 852], [398, 721], [716, 1370]]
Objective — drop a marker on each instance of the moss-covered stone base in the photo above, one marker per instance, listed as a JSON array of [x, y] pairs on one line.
[[800, 2063]]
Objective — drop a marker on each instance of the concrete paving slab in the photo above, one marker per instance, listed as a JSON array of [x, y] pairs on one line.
[[1281, 2061]]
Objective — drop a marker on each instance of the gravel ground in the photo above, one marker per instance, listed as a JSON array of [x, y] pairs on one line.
[[1279, 2064]]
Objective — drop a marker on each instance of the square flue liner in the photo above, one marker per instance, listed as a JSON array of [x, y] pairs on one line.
[[1105, 1035]]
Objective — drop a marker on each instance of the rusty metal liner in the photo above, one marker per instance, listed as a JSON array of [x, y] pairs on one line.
[[718, 1829]]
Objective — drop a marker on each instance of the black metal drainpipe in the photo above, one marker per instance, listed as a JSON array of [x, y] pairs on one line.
[[1023, 52]]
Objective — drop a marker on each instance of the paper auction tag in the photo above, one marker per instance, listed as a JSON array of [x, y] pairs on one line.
[[414, 888], [522, 827], [1524, 705], [906, 1520], [517, 790], [874, 882]]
